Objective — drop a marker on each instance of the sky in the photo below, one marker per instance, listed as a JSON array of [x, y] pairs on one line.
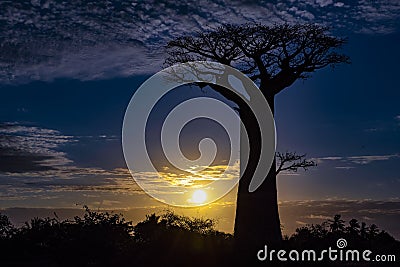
[[69, 70]]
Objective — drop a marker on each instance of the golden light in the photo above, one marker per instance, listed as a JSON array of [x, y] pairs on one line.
[[199, 196]]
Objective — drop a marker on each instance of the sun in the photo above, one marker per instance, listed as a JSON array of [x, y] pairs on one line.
[[199, 196]]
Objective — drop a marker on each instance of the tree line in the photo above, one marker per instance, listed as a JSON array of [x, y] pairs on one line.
[[167, 239]]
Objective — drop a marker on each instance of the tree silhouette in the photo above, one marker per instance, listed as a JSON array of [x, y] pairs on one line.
[[337, 224], [354, 227], [274, 57], [184, 235], [373, 231], [290, 161], [317, 236], [97, 238], [363, 230], [6, 227]]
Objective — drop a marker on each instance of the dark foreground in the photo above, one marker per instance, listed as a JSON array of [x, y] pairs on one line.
[[104, 239]]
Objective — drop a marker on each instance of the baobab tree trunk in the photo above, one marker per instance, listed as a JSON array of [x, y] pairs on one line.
[[257, 220]]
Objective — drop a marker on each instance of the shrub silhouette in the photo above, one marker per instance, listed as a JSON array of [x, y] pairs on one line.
[[94, 239], [168, 239], [180, 239], [321, 236], [106, 239], [7, 230]]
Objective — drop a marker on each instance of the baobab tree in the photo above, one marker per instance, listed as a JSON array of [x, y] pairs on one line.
[[274, 57]]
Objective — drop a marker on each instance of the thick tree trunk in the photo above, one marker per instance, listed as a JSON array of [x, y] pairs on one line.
[[257, 220]]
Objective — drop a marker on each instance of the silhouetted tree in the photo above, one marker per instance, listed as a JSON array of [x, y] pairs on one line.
[[6, 228], [319, 230], [187, 238], [354, 227], [274, 57], [317, 237], [290, 161], [363, 230], [337, 224], [97, 238], [373, 231]]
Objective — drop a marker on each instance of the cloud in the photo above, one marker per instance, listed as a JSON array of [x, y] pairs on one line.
[[344, 167], [175, 180], [357, 160], [330, 158], [65, 185], [103, 39], [38, 151], [302, 13], [377, 16], [321, 217], [368, 159], [30, 148], [34, 167], [324, 3], [338, 4]]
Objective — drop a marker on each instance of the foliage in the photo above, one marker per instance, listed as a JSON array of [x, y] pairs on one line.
[[321, 236], [107, 239], [7, 230], [96, 237], [167, 239]]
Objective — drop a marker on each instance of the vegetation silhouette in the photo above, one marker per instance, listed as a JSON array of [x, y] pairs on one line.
[[168, 239], [324, 235], [274, 57]]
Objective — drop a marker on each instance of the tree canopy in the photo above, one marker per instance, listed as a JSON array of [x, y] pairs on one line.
[[273, 56]]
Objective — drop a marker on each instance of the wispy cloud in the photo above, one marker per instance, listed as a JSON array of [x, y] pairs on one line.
[[34, 166], [324, 3], [33, 150], [320, 217], [66, 186], [377, 14], [344, 167], [29, 148], [357, 160], [338, 4], [88, 40], [368, 159]]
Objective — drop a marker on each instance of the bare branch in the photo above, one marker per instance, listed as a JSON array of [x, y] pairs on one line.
[[274, 56], [290, 161]]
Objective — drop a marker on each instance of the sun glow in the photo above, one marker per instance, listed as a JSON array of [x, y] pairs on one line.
[[199, 196]]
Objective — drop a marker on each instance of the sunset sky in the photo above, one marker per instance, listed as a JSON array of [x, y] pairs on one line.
[[68, 72]]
